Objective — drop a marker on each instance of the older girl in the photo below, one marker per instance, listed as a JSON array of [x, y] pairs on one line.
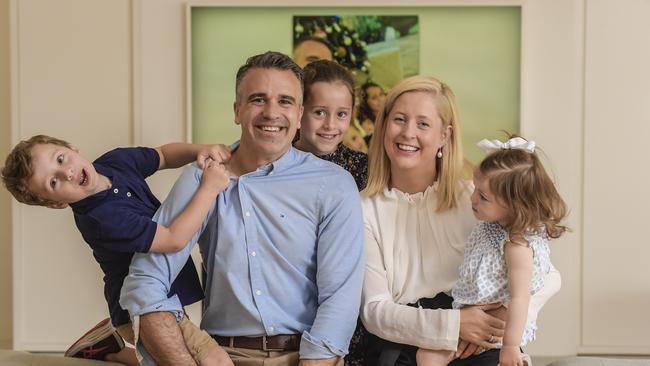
[[329, 101]]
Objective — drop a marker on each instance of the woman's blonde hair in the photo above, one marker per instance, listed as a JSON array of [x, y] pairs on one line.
[[519, 182], [448, 168]]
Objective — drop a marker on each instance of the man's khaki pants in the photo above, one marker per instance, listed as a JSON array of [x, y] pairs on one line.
[[252, 357]]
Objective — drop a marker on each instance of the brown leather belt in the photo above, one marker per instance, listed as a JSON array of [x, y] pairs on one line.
[[281, 342]]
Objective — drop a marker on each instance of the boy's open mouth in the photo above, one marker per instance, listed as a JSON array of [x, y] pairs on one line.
[[83, 178]]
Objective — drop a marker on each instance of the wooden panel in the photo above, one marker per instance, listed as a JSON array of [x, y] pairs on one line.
[[616, 280], [72, 80]]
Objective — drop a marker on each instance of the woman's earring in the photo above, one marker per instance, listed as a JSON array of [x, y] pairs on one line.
[[439, 154]]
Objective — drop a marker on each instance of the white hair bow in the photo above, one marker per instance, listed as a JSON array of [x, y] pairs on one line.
[[515, 143]]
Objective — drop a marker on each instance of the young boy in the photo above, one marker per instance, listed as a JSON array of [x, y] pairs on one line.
[[112, 207]]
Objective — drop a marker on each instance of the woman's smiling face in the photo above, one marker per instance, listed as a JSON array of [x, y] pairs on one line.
[[414, 132]]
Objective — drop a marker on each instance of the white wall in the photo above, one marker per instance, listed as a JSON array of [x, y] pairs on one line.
[[122, 81]]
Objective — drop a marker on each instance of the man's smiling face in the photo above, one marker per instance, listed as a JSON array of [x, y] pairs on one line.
[[268, 108]]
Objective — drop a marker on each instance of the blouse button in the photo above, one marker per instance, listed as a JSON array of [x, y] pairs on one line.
[[115, 190], [128, 194]]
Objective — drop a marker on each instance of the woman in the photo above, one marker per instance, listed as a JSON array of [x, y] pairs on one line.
[[418, 214]]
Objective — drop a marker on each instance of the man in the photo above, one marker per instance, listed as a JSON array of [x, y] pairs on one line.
[[310, 49], [282, 247]]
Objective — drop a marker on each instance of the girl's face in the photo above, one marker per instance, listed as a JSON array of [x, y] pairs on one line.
[[376, 97], [414, 133], [486, 206], [326, 118]]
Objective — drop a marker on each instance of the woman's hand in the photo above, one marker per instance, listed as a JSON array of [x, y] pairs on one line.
[[480, 328], [466, 349], [510, 356]]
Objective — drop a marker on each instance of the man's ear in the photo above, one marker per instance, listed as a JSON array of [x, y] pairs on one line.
[[235, 108], [302, 110], [57, 205]]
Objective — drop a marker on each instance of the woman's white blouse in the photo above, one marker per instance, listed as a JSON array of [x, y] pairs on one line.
[[412, 252]]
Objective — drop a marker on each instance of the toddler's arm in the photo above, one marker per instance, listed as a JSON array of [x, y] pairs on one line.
[[177, 154], [519, 263], [175, 237]]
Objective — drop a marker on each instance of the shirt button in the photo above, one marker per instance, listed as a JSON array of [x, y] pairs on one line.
[[128, 194], [247, 213], [253, 253], [258, 292], [271, 329], [116, 190]]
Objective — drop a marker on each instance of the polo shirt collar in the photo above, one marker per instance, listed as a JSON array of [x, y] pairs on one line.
[[92, 201]]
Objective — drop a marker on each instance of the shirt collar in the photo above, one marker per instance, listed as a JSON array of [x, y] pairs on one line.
[[284, 162]]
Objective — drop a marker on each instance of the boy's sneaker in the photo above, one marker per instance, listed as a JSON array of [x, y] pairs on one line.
[[97, 342]]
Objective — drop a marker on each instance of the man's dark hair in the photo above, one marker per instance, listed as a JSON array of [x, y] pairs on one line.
[[269, 60]]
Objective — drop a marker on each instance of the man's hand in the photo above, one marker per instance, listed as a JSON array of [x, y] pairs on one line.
[[320, 362], [217, 153]]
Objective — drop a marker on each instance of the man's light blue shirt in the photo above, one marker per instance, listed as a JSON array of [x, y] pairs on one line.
[[283, 251]]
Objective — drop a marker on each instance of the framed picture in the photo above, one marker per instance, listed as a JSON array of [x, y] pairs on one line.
[[474, 49]]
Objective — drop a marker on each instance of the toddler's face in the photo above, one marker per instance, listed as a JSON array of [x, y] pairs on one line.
[[62, 175], [485, 204]]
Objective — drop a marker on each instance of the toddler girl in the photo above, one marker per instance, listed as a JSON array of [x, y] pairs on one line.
[[507, 253]]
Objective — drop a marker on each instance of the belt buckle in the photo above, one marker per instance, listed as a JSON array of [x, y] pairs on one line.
[[267, 349]]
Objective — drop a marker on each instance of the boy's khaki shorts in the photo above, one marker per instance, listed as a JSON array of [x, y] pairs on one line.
[[198, 341]]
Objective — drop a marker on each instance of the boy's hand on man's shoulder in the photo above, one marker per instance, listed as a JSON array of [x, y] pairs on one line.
[[218, 153], [215, 176]]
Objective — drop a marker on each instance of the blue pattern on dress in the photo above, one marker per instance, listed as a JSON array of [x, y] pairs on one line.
[[483, 274]]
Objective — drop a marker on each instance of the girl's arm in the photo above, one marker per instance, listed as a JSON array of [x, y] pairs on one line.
[[175, 237], [177, 154], [519, 263]]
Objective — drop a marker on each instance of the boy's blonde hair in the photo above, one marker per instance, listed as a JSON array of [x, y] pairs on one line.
[[18, 169], [518, 180], [448, 168]]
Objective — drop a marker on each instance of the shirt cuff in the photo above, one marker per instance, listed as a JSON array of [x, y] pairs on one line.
[[315, 349], [171, 304]]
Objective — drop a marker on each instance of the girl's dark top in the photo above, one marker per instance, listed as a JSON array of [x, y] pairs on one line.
[[356, 163]]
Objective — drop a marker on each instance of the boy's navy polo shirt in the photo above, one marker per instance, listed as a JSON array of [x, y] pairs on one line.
[[117, 223]]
